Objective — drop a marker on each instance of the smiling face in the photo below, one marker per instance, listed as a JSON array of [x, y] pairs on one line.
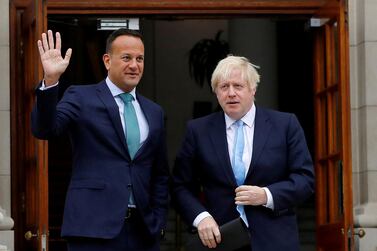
[[125, 62], [235, 95]]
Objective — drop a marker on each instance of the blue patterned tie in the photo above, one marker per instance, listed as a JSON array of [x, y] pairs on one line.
[[132, 131], [132, 126], [237, 163]]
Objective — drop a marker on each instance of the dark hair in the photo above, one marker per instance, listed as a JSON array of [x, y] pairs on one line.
[[121, 32]]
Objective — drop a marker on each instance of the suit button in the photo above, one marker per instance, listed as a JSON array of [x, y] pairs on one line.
[[129, 186]]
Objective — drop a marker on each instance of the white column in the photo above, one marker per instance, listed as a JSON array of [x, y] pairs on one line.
[[6, 222], [363, 65]]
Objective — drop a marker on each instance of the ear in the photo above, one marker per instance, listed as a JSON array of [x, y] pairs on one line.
[[106, 60], [254, 90]]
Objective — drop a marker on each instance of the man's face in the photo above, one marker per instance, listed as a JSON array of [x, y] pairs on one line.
[[234, 95], [125, 62]]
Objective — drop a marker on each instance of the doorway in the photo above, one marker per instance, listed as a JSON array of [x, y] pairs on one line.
[[282, 47]]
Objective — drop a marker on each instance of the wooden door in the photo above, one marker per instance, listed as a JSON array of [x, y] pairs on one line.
[[29, 156], [332, 123]]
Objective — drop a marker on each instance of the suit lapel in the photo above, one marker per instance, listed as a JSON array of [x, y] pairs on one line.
[[149, 117], [217, 134], [261, 134], [108, 100]]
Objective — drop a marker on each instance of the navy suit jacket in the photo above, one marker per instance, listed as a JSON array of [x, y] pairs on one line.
[[97, 196], [280, 161]]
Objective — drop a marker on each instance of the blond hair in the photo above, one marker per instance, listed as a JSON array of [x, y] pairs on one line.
[[225, 67]]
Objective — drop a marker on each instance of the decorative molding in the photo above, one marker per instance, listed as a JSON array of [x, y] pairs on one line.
[[3, 248], [365, 215], [6, 223]]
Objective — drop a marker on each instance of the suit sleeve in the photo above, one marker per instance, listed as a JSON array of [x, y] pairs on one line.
[[186, 181], [160, 189], [299, 184], [50, 118]]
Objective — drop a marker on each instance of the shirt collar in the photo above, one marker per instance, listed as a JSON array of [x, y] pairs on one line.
[[248, 119], [115, 90]]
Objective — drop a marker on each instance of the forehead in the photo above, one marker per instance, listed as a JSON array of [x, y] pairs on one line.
[[233, 74], [128, 44]]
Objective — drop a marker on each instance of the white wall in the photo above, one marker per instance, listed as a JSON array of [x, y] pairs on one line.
[[6, 223], [363, 76]]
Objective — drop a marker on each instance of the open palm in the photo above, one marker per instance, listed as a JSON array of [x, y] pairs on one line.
[[53, 63]]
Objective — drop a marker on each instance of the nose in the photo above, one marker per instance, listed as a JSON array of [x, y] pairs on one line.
[[133, 63], [231, 91]]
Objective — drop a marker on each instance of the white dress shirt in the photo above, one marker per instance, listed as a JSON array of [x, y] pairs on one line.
[[142, 121], [249, 120]]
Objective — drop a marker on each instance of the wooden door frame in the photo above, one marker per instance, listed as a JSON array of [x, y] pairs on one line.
[[28, 155], [137, 7], [330, 81]]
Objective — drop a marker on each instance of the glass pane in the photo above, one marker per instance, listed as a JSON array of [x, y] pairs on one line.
[[335, 59], [324, 65], [337, 129], [325, 198], [340, 188], [334, 188], [324, 120]]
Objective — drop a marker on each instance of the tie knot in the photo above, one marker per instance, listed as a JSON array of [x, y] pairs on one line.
[[239, 123], [126, 97]]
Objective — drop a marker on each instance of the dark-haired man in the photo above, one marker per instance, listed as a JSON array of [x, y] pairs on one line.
[[118, 195]]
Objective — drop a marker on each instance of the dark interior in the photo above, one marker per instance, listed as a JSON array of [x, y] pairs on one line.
[[295, 94]]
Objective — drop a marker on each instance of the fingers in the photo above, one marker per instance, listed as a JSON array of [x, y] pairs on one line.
[[250, 195], [40, 48], [58, 41], [44, 42], [50, 39], [209, 232], [217, 235], [68, 55]]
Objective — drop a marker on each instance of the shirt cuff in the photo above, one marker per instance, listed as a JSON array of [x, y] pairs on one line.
[[270, 200], [199, 218], [44, 87]]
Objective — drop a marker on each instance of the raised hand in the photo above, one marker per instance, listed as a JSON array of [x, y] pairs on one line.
[[54, 65]]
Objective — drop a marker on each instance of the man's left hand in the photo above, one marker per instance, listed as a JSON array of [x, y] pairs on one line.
[[250, 195]]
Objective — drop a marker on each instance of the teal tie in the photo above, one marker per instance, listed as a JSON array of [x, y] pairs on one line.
[[132, 132], [237, 163], [132, 126]]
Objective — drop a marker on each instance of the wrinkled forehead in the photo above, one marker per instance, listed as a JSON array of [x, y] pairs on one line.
[[234, 72]]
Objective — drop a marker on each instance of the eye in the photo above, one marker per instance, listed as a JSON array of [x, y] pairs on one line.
[[140, 59], [126, 58], [224, 87], [238, 86]]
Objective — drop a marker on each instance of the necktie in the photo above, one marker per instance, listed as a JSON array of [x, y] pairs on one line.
[[237, 163], [132, 132]]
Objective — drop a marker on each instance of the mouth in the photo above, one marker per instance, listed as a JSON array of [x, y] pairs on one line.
[[232, 102], [132, 75]]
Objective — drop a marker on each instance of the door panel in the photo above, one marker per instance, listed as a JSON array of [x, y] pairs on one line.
[[332, 109], [29, 162]]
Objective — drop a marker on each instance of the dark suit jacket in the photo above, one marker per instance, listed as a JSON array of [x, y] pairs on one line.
[[97, 196], [280, 161]]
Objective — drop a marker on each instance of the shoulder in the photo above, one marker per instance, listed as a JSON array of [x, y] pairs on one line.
[[147, 103], [207, 121], [277, 118], [85, 88], [273, 114]]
